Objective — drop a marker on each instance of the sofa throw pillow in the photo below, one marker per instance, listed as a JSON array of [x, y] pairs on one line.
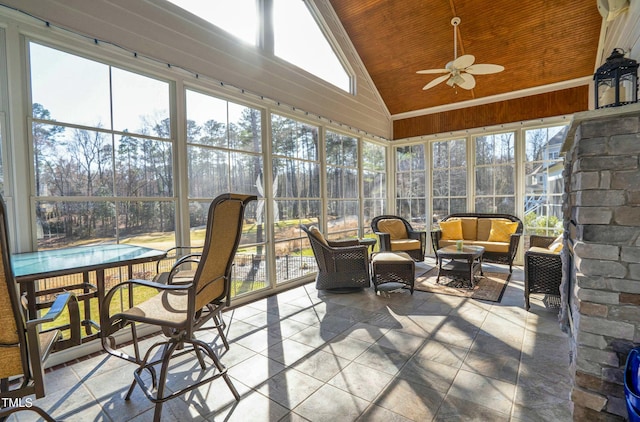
[[556, 246], [451, 230], [501, 231], [394, 227], [318, 235]]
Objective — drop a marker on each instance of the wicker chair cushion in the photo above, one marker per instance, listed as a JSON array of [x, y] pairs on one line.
[[405, 245], [318, 235], [484, 227], [556, 246], [538, 249], [469, 228], [501, 231], [451, 230], [395, 228]]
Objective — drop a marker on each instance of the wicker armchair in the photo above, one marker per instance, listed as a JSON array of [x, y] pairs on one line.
[[542, 268], [342, 265], [396, 238]]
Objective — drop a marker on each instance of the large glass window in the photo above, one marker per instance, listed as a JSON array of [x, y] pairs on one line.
[[449, 178], [296, 189], [238, 17], [411, 181], [298, 36], [544, 183], [299, 40], [102, 153], [374, 179], [224, 150], [343, 205], [495, 173]]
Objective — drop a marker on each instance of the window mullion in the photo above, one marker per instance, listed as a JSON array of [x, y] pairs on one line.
[[265, 22]]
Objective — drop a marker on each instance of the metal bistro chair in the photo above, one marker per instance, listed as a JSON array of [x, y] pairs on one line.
[[182, 307], [23, 347]]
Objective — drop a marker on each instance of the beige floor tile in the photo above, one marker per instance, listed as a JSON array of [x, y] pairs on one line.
[[414, 401], [484, 391], [290, 387], [330, 404], [443, 353], [382, 359], [360, 381]]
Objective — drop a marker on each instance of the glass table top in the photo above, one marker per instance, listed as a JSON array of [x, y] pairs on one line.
[[80, 258]]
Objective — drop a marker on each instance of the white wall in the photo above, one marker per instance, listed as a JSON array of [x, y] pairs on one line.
[[623, 32], [157, 29]]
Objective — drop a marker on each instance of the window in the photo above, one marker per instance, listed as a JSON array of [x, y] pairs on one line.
[[495, 173], [411, 181], [224, 154], [449, 178], [296, 175], [343, 205], [298, 37], [374, 176], [238, 17], [544, 183], [102, 153], [299, 40]]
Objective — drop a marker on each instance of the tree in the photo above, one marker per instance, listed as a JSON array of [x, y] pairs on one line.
[[44, 136]]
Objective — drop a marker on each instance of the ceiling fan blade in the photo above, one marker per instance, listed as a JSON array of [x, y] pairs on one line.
[[435, 82], [469, 81], [463, 62], [432, 71], [484, 69]]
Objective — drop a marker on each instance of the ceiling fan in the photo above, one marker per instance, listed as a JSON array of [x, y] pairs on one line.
[[460, 71]]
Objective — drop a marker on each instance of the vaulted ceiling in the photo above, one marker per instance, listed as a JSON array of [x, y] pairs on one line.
[[539, 42]]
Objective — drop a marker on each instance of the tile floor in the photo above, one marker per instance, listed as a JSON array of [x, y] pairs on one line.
[[311, 355]]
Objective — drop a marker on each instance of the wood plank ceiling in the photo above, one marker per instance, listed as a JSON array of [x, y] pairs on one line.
[[539, 42]]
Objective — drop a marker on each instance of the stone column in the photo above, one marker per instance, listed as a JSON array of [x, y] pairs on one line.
[[604, 209]]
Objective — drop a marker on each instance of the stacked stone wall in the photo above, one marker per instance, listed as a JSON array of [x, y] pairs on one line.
[[602, 174]]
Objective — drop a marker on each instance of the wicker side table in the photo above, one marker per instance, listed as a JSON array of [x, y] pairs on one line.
[[393, 267]]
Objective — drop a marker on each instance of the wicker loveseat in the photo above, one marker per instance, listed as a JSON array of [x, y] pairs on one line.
[[542, 267], [499, 234]]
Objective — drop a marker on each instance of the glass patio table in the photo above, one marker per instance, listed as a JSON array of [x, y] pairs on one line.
[[90, 261]]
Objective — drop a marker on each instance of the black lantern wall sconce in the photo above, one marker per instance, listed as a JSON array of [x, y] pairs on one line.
[[616, 81]]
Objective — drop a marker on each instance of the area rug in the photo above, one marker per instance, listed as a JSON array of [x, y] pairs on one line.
[[489, 287]]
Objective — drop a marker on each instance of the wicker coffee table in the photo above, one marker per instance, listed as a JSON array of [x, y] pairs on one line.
[[463, 264]]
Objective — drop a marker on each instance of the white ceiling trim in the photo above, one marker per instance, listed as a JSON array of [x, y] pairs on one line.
[[495, 98]]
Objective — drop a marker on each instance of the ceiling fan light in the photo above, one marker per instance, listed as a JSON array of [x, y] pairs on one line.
[[455, 80]]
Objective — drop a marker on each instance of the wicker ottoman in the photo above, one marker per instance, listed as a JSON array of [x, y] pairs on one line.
[[395, 268]]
